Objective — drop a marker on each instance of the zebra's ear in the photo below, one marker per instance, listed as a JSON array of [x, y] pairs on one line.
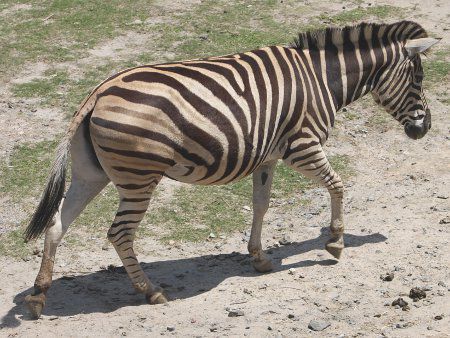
[[417, 46]]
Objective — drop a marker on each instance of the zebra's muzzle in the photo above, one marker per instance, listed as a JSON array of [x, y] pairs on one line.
[[417, 131]]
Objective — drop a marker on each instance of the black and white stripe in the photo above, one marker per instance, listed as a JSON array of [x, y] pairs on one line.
[[217, 120]]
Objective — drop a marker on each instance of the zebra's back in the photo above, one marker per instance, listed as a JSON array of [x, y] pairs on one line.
[[208, 121]]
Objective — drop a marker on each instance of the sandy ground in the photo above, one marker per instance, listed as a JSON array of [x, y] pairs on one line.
[[397, 210]]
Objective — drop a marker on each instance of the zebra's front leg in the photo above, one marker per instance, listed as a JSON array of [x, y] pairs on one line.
[[317, 168], [121, 234], [262, 182]]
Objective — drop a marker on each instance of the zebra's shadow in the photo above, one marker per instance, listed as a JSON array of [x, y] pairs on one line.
[[105, 291]]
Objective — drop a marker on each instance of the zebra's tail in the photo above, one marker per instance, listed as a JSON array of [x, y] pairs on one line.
[[54, 191], [53, 194]]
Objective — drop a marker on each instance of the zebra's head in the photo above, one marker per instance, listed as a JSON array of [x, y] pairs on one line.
[[399, 89]]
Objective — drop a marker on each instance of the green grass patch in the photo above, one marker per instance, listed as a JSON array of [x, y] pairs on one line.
[[12, 244], [342, 165], [26, 173], [56, 31], [362, 13], [436, 68], [244, 25], [50, 88]]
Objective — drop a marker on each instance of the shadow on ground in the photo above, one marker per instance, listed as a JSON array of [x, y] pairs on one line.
[[108, 290]]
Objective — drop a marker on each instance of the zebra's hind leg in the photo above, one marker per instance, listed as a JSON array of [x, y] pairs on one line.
[[317, 168], [262, 182], [77, 197], [132, 208]]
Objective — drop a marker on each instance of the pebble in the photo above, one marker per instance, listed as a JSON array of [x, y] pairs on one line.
[[318, 324], [400, 302], [235, 313], [438, 317], [171, 328], [445, 220], [389, 276], [286, 240], [292, 271], [415, 294]]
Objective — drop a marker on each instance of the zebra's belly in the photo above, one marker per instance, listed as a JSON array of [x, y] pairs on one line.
[[187, 173]]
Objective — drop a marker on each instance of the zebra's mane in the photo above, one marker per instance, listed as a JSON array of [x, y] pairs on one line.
[[321, 38]]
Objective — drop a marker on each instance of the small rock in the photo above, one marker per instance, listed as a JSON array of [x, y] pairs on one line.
[[415, 294], [445, 220], [318, 324], [212, 235], [400, 302], [171, 242], [171, 328], [438, 317], [291, 271], [286, 240], [293, 317], [441, 283], [246, 208], [235, 313], [389, 276]]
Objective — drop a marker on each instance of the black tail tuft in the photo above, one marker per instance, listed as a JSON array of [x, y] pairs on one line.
[[52, 196]]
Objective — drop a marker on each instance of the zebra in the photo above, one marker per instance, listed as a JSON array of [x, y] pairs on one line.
[[217, 120]]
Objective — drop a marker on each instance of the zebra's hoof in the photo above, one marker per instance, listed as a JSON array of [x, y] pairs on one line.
[[35, 304], [263, 265], [335, 248], [157, 297]]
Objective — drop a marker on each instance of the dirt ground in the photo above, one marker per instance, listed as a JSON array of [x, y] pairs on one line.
[[397, 210]]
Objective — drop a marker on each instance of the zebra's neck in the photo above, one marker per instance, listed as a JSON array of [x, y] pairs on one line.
[[348, 62]]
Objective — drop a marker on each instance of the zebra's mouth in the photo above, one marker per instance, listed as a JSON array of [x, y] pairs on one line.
[[417, 131]]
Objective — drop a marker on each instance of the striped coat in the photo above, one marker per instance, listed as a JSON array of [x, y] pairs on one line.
[[217, 120]]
